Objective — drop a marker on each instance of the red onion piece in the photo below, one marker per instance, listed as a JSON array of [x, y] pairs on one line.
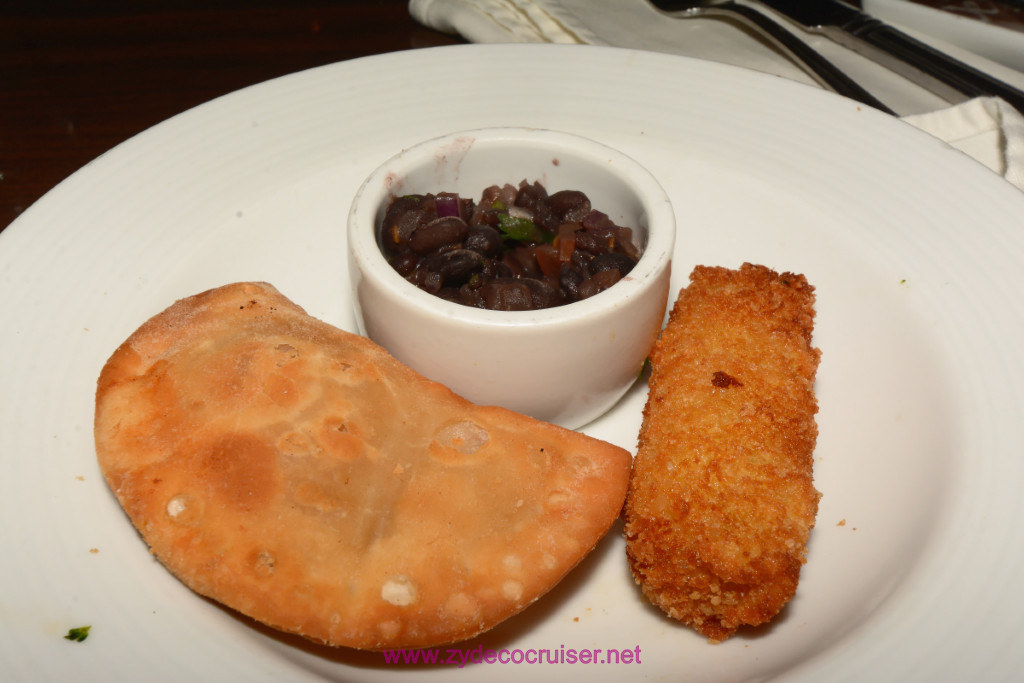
[[447, 205]]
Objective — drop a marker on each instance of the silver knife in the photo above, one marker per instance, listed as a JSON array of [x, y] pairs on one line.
[[945, 76]]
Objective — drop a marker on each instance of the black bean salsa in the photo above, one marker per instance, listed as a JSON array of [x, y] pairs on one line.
[[516, 249]]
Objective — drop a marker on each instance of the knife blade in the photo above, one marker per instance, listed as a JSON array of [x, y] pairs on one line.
[[880, 42]]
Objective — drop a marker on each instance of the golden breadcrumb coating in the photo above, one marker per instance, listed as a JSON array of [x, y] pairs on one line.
[[721, 500]]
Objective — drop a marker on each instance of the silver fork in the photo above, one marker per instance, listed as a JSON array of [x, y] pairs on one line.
[[817, 66]]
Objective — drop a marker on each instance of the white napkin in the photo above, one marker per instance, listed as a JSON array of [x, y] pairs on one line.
[[985, 128]]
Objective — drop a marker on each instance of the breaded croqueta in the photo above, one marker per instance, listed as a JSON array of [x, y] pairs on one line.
[[721, 500]]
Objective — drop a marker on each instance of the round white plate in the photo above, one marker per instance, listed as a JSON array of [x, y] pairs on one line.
[[915, 251]]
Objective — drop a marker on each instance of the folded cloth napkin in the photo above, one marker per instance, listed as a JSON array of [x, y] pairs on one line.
[[986, 128]]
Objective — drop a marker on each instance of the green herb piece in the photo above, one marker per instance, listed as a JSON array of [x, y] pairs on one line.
[[499, 205], [523, 230], [518, 229], [78, 634]]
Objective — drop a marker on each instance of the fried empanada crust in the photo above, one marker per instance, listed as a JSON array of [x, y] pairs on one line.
[[300, 475]]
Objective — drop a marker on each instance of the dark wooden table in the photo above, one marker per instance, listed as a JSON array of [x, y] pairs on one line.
[[78, 78]]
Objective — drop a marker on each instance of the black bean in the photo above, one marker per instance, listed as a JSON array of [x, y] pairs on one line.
[[544, 294], [596, 220], [485, 240], [531, 196], [590, 242], [399, 207], [501, 269], [569, 205], [598, 283], [404, 263], [486, 217], [613, 261], [449, 294], [569, 279], [427, 280], [458, 265], [546, 218], [438, 233], [470, 295], [580, 258], [395, 235], [507, 295]]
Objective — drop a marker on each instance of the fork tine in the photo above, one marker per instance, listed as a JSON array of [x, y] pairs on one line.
[[788, 43]]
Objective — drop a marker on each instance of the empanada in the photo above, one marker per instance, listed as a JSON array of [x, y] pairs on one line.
[[302, 476]]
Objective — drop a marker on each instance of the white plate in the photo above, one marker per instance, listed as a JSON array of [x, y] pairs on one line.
[[914, 249]]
